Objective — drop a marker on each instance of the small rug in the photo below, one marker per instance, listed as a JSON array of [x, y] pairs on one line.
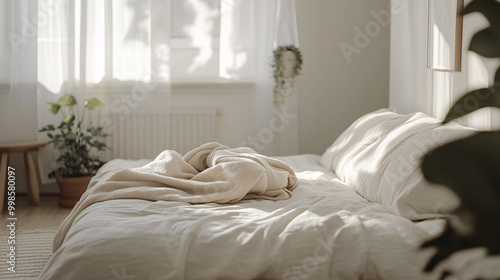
[[33, 250]]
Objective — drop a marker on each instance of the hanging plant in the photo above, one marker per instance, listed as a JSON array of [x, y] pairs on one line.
[[287, 64]]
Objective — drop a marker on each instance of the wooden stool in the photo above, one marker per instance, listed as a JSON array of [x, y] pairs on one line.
[[31, 179]]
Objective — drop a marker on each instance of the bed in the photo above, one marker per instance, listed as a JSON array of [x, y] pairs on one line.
[[361, 210]]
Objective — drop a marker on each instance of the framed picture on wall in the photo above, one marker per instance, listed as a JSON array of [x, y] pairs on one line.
[[444, 42]]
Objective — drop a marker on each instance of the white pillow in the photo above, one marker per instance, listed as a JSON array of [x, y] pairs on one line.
[[366, 131], [387, 170]]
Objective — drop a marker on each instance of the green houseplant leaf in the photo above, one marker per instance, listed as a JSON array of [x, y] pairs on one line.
[[48, 127], [53, 107], [68, 119], [489, 8], [76, 139], [474, 100], [93, 103], [470, 166], [487, 41], [67, 100]]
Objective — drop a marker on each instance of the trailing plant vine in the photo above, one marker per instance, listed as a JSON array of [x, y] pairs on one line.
[[283, 77]]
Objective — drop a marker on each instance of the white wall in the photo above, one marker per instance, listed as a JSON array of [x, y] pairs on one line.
[[333, 91], [235, 107]]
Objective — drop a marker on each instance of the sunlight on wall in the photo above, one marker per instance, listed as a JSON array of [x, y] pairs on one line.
[[477, 77], [477, 72], [442, 87]]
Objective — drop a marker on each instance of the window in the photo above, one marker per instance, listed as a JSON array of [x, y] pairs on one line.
[[212, 40], [194, 40], [101, 42]]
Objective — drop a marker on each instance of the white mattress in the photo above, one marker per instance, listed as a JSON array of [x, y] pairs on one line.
[[324, 231]]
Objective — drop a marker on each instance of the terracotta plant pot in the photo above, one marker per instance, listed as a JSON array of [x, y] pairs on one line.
[[71, 189]]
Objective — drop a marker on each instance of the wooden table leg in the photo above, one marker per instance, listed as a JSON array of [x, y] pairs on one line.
[[3, 178], [33, 192]]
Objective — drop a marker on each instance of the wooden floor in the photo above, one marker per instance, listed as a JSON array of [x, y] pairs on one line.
[[47, 215]]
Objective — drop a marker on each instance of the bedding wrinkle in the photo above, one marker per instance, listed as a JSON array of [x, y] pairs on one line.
[[209, 173], [324, 231], [380, 159], [359, 211]]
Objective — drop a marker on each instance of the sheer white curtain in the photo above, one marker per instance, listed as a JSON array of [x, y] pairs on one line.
[[114, 50], [275, 25], [119, 52], [18, 70], [286, 137]]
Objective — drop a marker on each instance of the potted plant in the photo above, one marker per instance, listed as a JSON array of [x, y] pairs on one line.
[[77, 140], [287, 64], [471, 166]]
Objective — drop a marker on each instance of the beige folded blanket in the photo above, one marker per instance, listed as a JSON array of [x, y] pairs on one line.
[[209, 173]]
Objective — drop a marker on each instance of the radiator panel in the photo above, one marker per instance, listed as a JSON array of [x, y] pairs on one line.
[[145, 135]]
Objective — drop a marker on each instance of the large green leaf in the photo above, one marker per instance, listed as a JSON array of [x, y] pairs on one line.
[[474, 100], [489, 8], [93, 103], [95, 131], [48, 127], [53, 107], [67, 100], [469, 167], [69, 118], [459, 161], [486, 43]]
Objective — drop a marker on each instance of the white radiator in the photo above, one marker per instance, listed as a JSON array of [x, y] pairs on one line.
[[145, 135]]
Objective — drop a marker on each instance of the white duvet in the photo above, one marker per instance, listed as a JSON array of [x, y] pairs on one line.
[[324, 231], [209, 173]]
